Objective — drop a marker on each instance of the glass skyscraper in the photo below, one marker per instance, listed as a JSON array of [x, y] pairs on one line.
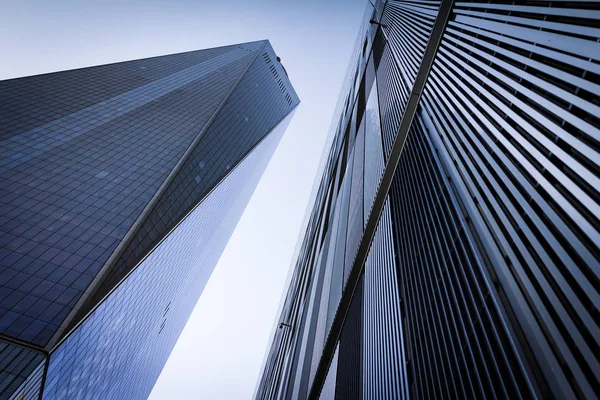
[[120, 187], [453, 250]]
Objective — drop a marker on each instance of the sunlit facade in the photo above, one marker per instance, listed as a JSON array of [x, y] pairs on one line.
[[453, 248], [121, 185]]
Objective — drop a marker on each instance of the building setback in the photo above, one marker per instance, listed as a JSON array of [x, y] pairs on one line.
[[453, 248], [120, 186]]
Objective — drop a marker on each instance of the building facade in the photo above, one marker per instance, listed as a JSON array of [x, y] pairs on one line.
[[453, 249], [121, 185]]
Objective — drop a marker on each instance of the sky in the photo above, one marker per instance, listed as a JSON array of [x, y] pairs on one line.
[[220, 352]]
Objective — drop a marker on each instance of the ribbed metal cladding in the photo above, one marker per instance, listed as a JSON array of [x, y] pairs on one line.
[[512, 100], [482, 277], [330, 212], [355, 214], [328, 390], [349, 368], [384, 372], [398, 51], [456, 344]]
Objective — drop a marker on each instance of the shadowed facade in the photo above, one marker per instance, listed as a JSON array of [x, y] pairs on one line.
[[453, 250]]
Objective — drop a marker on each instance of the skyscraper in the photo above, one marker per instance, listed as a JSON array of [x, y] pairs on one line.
[[453, 249], [120, 186]]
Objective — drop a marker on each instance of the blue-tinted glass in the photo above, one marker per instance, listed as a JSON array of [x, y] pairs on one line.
[[79, 165], [119, 350], [97, 167], [17, 365]]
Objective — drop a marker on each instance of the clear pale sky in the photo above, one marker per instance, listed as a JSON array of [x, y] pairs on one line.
[[221, 350]]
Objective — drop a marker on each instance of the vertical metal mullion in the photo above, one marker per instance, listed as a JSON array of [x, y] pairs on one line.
[[384, 187], [431, 219], [423, 297]]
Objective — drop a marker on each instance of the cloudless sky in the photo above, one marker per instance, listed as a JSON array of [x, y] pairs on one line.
[[220, 353]]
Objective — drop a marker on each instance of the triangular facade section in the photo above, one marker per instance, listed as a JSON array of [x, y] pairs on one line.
[[84, 152], [152, 304], [259, 101]]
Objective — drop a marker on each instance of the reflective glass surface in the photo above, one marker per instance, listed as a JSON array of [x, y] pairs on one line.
[[120, 349], [99, 167], [260, 100], [73, 185], [17, 364]]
